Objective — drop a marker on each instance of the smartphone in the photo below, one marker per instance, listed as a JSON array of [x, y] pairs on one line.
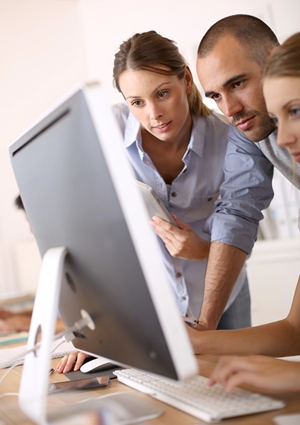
[[79, 384]]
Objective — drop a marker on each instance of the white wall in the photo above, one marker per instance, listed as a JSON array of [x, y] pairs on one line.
[[273, 271], [183, 21], [47, 46], [42, 56]]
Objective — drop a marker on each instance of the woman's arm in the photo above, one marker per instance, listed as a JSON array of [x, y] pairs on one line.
[[276, 339]]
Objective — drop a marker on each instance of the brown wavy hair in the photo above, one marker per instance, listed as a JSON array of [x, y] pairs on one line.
[[150, 51]]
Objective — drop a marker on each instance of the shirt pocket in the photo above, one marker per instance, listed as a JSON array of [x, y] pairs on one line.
[[201, 207]]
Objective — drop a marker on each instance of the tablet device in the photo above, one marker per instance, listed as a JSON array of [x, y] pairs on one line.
[[155, 205]]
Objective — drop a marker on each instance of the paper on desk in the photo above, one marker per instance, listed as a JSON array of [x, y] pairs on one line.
[[287, 419], [8, 356]]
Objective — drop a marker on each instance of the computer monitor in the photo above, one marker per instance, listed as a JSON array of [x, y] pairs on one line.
[[79, 192]]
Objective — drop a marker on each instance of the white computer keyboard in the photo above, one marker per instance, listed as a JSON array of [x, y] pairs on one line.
[[195, 397]]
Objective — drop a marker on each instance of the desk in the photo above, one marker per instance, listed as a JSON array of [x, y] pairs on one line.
[[10, 413]]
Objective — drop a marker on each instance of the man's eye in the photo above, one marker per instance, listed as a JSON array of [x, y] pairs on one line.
[[238, 84], [216, 97]]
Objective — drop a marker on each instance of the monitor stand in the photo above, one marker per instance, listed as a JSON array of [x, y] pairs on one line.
[[33, 395], [35, 375]]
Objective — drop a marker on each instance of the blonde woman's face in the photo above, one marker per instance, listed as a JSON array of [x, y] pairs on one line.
[[282, 96]]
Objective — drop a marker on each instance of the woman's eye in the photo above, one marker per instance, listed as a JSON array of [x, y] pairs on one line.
[[162, 94], [275, 121], [136, 103], [295, 112]]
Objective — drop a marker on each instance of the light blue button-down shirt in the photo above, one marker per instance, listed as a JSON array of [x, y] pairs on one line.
[[247, 189], [191, 196]]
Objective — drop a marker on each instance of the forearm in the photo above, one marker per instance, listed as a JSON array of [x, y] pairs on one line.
[[224, 265], [277, 339]]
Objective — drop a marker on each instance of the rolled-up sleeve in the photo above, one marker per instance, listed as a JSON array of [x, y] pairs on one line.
[[246, 191]]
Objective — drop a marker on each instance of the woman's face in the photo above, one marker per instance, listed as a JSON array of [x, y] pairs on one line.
[[282, 95], [159, 102]]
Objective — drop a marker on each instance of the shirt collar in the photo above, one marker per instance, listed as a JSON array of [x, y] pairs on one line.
[[132, 131], [198, 136]]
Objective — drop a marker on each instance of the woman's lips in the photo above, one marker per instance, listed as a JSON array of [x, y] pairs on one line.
[[162, 127]]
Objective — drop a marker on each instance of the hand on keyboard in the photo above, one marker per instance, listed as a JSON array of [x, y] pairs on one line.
[[196, 398], [261, 372]]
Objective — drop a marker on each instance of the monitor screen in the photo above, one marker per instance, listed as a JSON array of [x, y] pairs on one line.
[[78, 190]]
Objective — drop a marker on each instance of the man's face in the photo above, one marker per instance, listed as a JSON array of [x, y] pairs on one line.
[[233, 81]]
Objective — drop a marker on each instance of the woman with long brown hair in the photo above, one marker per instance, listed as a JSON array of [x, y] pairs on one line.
[[177, 146]]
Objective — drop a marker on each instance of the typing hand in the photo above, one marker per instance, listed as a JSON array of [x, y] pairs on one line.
[[181, 242], [261, 372], [70, 362]]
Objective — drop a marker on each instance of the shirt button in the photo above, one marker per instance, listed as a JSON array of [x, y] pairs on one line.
[[209, 199], [178, 274], [183, 298], [174, 194]]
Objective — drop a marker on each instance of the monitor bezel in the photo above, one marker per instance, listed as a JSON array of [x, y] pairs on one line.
[[173, 328]]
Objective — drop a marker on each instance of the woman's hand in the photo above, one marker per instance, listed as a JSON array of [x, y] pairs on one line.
[[261, 372], [181, 241], [71, 362]]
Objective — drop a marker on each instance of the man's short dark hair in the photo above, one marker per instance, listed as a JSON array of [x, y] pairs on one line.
[[257, 37]]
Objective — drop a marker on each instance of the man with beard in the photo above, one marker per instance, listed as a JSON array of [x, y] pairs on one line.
[[231, 58]]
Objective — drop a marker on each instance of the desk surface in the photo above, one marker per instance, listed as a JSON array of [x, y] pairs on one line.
[[10, 414]]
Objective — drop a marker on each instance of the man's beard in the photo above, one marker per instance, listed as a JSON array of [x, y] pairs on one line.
[[261, 130]]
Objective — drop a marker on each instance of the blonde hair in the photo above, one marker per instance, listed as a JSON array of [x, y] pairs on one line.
[[285, 59]]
